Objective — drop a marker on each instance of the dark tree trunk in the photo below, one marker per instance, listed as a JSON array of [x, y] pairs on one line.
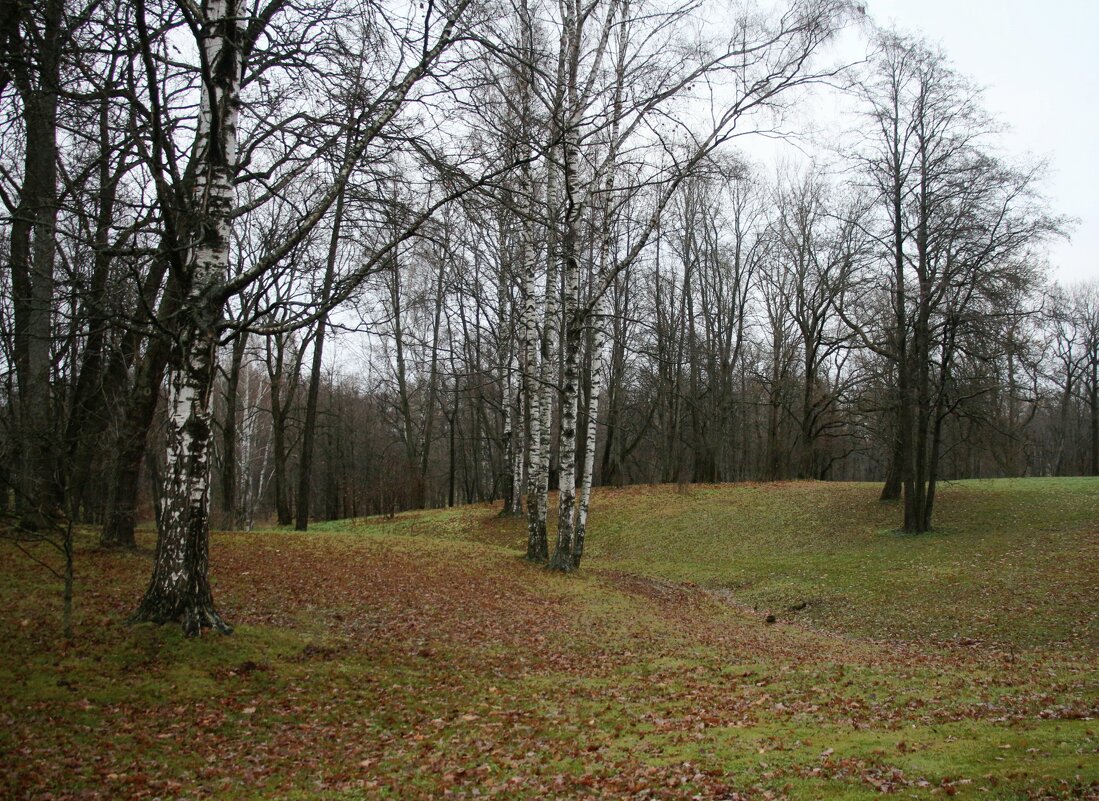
[[891, 491], [278, 433], [1093, 401], [305, 465], [309, 427], [450, 472], [125, 483], [423, 477], [32, 253], [230, 518], [88, 416]]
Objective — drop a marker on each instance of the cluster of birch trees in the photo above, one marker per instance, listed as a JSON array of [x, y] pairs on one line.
[[299, 259]]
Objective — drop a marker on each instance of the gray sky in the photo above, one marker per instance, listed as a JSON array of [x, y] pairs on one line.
[[1039, 63]]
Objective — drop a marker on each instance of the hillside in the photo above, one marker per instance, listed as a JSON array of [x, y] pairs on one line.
[[1010, 562], [420, 657]]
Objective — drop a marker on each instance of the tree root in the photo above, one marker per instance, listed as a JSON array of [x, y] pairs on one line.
[[562, 562], [192, 616]]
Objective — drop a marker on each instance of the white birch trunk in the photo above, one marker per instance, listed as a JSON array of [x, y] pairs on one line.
[[179, 590], [513, 436], [547, 379], [600, 354], [506, 434], [566, 502], [599, 371], [517, 454], [569, 526], [531, 389], [536, 530], [570, 146], [510, 387]]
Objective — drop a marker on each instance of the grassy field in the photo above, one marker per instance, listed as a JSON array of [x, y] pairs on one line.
[[421, 657]]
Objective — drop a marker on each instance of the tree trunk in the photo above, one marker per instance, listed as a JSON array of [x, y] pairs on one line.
[[611, 470], [428, 415], [563, 555], [537, 545], [279, 411], [404, 395], [1093, 402], [309, 426], [88, 418], [229, 505], [125, 485], [916, 407], [32, 253], [282, 496], [179, 590], [540, 387], [891, 491], [598, 370], [452, 421], [516, 465], [562, 558]]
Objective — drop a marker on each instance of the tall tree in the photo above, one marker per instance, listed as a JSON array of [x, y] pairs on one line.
[[764, 60], [34, 38], [957, 226], [227, 37]]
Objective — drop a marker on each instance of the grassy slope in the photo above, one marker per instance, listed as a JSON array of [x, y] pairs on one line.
[[419, 657], [1009, 563]]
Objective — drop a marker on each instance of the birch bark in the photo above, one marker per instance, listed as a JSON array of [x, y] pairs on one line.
[[537, 548], [570, 525], [179, 590], [512, 439], [517, 443], [509, 366], [599, 371], [570, 147], [534, 386], [546, 378], [600, 355]]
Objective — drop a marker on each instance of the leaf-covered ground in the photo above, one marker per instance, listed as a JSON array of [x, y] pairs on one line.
[[422, 658]]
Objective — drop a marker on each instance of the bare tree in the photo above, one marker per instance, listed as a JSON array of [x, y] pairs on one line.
[[35, 37], [957, 227]]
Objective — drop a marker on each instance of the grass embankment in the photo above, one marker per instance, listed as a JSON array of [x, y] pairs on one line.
[[420, 657]]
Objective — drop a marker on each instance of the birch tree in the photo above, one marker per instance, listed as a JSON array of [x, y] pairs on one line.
[[760, 61], [226, 38], [180, 589]]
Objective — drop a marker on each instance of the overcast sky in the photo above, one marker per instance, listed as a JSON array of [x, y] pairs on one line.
[[1039, 62]]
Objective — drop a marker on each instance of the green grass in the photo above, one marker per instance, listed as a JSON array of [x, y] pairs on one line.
[[1009, 562], [420, 657]]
